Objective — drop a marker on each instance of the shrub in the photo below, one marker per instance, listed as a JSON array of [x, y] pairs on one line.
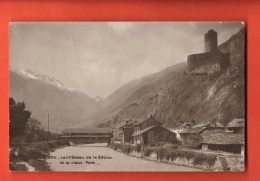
[[201, 158], [138, 148], [168, 154], [115, 146], [147, 151], [160, 153]]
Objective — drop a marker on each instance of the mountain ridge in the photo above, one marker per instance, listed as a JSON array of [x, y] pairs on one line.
[[43, 95], [177, 97]]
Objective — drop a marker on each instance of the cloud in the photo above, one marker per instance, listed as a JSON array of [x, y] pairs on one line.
[[99, 57]]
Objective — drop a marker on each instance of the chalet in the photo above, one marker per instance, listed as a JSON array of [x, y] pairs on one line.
[[146, 131], [223, 141], [188, 133], [143, 131], [229, 140], [126, 131], [197, 129], [236, 125], [87, 135]]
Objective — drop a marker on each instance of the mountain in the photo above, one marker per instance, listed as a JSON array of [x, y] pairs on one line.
[[45, 95], [174, 96]]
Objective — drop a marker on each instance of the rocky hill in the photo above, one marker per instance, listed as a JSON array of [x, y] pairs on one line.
[[175, 96], [45, 95]]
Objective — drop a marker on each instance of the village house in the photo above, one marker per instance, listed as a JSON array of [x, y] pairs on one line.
[[237, 126], [191, 129], [125, 132], [144, 131], [229, 140]]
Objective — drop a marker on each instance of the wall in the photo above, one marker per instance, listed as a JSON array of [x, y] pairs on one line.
[[208, 63], [128, 134], [230, 52]]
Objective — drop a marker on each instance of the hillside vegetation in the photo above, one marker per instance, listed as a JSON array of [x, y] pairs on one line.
[[174, 96]]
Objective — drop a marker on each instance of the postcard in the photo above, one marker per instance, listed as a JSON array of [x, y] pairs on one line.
[[127, 96]]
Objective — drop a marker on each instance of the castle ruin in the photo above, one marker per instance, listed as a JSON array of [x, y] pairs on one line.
[[212, 60]]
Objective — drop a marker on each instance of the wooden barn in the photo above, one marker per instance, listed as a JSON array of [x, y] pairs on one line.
[[197, 129], [144, 131], [150, 130], [237, 125], [125, 132], [221, 140]]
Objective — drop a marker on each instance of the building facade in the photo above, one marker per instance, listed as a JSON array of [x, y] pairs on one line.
[[145, 131]]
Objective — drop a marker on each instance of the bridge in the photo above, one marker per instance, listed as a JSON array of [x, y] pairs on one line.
[[87, 135]]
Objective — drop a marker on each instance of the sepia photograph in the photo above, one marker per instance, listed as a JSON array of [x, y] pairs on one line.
[[127, 96]]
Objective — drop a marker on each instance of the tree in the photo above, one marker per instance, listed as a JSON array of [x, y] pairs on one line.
[[18, 118], [33, 131]]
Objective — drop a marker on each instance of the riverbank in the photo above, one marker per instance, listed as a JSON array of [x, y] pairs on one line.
[[182, 157], [32, 156]]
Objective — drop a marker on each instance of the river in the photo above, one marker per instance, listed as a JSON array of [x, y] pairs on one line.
[[98, 157]]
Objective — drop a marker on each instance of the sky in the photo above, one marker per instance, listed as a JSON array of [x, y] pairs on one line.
[[99, 57]]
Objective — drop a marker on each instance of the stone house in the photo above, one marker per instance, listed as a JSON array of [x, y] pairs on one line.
[[221, 140], [125, 132], [236, 125], [194, 129], [232, 139], [143, 131], [149, 130]]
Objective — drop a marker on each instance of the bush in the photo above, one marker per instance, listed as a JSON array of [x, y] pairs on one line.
[[201, 158], [172, 154], [168, 152], [127, 148], [147, 151], [160, 153], [138, 148]]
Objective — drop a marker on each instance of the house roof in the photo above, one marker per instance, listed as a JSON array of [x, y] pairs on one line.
[[144, 130], [139, 121], [210, 124], [193, 130], [201, 125], [221, 137], [87, 130], [235, 123]]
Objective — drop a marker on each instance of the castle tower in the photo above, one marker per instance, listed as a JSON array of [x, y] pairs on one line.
[[211, 41]]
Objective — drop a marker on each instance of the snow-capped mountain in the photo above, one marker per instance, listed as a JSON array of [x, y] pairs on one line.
[[45, 95], [45, 78]]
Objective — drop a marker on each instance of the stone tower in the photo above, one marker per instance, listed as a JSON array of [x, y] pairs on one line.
[[211, 41]]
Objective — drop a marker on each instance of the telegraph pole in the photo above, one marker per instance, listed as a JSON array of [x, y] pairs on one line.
[[48, 127], [56, 133]]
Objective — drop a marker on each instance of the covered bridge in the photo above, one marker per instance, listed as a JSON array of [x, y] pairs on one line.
[[87, 135]]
